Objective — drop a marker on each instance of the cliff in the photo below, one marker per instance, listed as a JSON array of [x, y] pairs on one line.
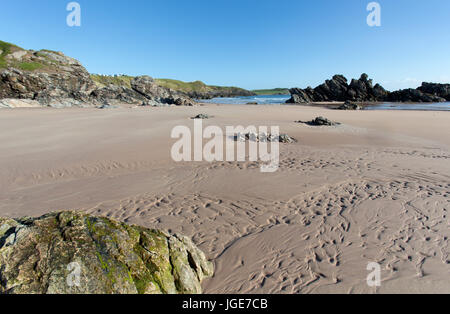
[[49, 78]]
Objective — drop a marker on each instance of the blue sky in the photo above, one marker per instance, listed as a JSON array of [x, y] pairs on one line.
[[246, 43]]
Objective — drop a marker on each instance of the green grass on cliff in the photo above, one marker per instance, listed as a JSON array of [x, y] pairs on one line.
[[196, 86], [118, 80], [6, 49], [29, 66], [275, 91]]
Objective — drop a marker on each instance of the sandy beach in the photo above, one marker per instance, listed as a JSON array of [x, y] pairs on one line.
[[374, 189]]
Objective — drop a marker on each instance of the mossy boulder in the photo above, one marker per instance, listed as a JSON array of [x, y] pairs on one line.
[[71, 252]]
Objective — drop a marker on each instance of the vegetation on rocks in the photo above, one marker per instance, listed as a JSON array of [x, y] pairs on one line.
[[37, 255], [49, 78], [6, 49], [200, 90], [117, 80], [274, 91]]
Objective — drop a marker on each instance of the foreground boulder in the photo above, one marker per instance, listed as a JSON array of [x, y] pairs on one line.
[[45, 255]]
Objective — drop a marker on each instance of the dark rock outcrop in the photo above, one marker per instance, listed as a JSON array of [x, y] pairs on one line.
[[338, 89], [201, 116], [348, 105], [72, 253], [363, 90], [320, 121], [440, 90], [413, 95]]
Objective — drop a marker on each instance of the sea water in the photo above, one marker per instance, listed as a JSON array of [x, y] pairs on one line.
[[261, 100], [281, 99]]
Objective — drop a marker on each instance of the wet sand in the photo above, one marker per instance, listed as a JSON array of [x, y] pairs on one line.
[[374, 189]]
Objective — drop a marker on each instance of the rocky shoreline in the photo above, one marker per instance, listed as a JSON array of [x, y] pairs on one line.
[[220, 93], [47, 78], [362, 90]]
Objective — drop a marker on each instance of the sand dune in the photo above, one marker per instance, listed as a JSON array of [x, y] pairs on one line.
[[375, 189]]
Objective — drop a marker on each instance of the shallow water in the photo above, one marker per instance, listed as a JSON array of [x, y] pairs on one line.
[[281, 99], [444, 106], [261, 100]]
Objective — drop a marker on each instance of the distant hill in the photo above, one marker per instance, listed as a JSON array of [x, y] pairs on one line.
[[195, 89], [274, 91], [200, 90]]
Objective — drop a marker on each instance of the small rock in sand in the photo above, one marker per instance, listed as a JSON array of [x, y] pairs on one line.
[[263, 137], [350, 106], [201, 116], [320, 121], [108, 107]]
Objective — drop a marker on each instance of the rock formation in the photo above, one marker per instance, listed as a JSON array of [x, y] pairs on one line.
[[320, 121], [363, 90], [70, 252], [412, 95], [428, 92], [52, 79], [440, 90], [265, 138], [49, 78], [348, 105], [338, 89], [201, 116]]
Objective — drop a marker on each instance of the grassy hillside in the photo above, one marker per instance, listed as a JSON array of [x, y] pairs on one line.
[[186, 87], [105, 80], [28, 61], [199, 87], [180, 86], [275, 91], [6, 49]]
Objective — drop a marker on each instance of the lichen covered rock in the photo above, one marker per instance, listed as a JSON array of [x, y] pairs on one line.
[[70, 252]]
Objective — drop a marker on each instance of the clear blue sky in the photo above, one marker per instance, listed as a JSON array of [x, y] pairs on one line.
[[247, 43]]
